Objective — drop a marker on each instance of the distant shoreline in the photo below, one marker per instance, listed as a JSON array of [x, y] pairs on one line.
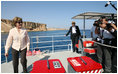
[[48, 29], [53, 29]]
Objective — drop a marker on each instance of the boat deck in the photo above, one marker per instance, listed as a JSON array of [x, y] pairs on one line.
[[61, 55]]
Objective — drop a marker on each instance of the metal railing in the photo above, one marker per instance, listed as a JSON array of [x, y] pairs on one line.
[[51, 40]]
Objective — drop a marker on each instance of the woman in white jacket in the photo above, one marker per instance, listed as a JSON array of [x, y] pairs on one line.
[[20, 42]]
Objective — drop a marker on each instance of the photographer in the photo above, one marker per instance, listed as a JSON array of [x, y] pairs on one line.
[[94, 30], [112, 30], [106, 36]]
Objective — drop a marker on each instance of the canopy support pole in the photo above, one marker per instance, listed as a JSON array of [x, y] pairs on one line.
[[84, 28]]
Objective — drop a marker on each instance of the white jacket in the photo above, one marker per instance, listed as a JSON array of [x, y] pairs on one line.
[[18, 40]]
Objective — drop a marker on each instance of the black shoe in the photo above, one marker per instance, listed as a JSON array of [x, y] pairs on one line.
[[73, 51], [79, 52]]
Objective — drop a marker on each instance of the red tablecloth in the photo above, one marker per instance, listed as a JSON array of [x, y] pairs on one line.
[[78, 65], [41, 67]]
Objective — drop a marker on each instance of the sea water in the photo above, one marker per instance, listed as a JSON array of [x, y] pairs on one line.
[[60, 33]]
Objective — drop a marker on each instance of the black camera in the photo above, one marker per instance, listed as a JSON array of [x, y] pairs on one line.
[[96, 23]]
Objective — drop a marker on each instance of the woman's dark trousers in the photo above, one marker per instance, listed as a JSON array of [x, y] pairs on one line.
[[15, 57]]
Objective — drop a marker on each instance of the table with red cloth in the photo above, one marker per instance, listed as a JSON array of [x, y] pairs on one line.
[[41, 67], [77, 65]]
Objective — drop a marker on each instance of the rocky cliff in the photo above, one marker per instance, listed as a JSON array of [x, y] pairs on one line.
[[52, 29], [6, 25]]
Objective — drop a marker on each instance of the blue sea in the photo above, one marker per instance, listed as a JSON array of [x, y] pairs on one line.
[[59, 33]]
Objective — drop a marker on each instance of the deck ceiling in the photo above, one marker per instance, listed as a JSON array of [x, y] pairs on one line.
[[94, 15]]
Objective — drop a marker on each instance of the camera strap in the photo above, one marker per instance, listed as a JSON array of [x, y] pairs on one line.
[[102, 34]]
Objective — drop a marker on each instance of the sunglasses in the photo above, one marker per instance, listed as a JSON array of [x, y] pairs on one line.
[[20, 22]]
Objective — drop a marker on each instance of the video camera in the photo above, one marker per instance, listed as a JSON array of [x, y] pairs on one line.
[[110, 20], [96, 23]]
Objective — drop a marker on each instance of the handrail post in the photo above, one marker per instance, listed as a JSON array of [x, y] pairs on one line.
[[71, 46], [84, 28], [32, 46], [52, 44], [6, 58], [37, 40], [68, 47]]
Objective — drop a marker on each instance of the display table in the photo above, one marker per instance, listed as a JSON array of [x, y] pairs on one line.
[[83, 64], [52, 66]]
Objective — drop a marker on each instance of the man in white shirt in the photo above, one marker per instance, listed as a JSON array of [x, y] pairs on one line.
[[75, 33]]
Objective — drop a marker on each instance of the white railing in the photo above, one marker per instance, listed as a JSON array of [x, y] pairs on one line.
[[49, 41], [69, 44]]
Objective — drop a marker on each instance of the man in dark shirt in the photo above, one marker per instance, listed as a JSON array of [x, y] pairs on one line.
[[75, 33]]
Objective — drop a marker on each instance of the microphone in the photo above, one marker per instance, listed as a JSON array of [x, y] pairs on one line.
[[107, 3]]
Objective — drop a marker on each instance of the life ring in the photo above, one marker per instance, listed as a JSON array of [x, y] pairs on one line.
[[36, 51], [29, 53]]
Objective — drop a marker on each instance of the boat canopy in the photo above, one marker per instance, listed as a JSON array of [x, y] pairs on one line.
[[94, 15]]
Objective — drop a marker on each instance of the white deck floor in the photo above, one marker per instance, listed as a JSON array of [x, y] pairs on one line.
[[62, 56]]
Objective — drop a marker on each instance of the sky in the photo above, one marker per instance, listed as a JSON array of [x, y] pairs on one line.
[[56, 14]]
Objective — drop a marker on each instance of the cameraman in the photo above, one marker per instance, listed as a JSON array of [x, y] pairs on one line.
[[112, 29], [106, 37], [94, 30]]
